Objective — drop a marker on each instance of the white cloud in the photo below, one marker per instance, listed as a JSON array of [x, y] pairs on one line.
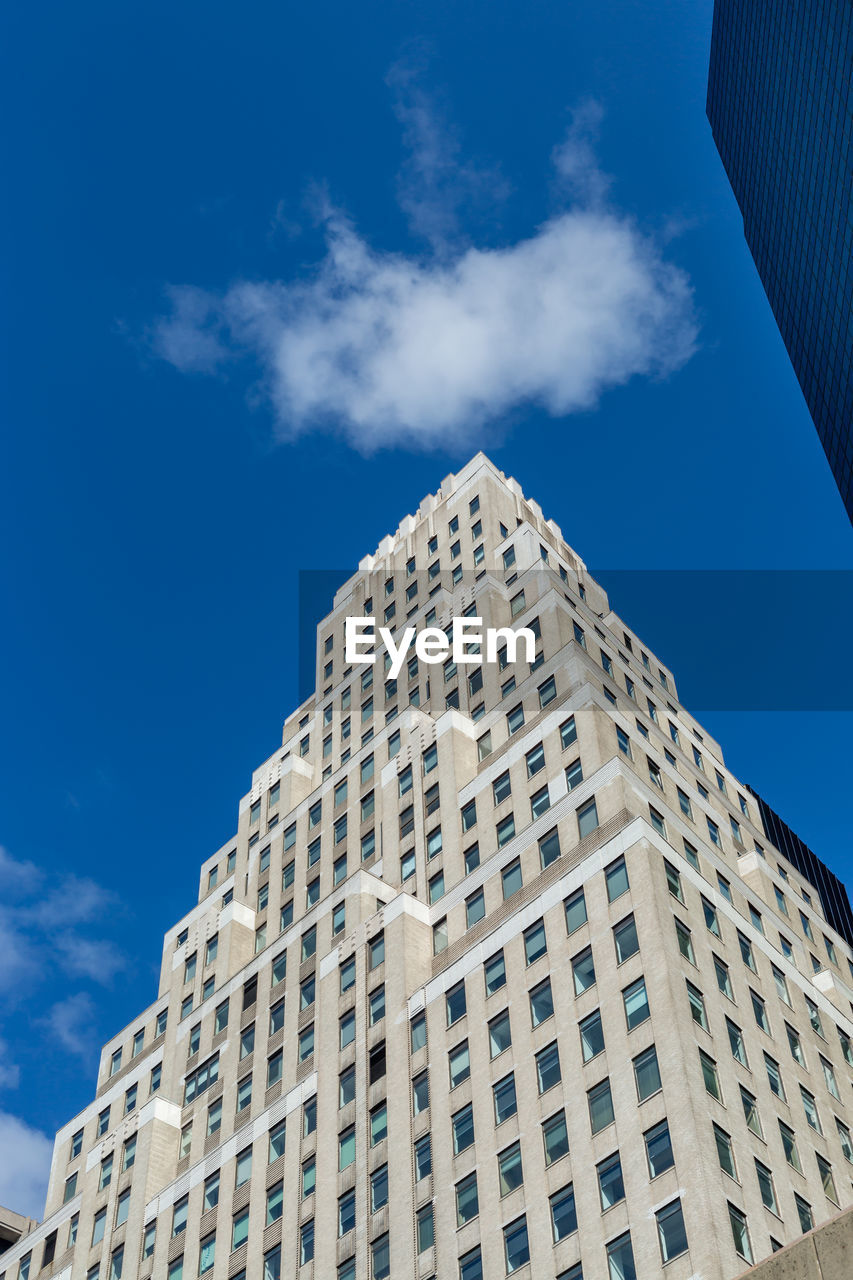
[[92, 958], [435, 185], [17, 877], [25, 1168], [426, 351], [48, 917], [72, 1023], [10, 1072]]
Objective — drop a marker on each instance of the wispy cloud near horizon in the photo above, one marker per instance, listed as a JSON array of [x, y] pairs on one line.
[[425, 350]]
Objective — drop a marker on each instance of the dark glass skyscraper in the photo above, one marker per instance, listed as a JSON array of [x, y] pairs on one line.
[[833, 895], [780, 104]]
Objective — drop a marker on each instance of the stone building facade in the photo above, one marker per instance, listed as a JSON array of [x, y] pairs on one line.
[[497, 975]]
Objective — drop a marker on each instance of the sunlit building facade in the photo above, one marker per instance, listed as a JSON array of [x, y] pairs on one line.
[[498, 974]]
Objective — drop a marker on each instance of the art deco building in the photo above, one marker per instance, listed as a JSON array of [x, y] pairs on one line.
[[780, 105], [498, 974]]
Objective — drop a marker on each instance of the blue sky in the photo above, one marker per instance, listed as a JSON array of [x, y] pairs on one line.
[[198, 193]]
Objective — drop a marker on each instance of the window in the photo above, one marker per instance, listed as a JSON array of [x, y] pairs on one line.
[[750, 1112], [378, 1124], [845, 1140], [659, 1156], [725, 1152], [516, 1246], [346, 1213], [625, 939], [511, 875], [760, 1011], [540, 801], [547, 692], [846, 1046], [436, 887], [736, 1043], [148, 1239], [789, 1146], [583, 971], [277, 1138], [548, 1067], [462, 1123], [766, 1187], [306, 1243], [616, 878], [495, 973], [673, 880], [697, 1006], [774, 1076], [275, 1202], [600, 1106], [505, 831], [244, 1165], [587, 817], [214, 1117], [378, 1188], [740, 1232], [672, 1236], [592, 1036], [685, 941], [549, 848], [510, 1169], [475, 908], [420, 1093], [425, 1231], [423, 1157], [647, 1073], [244, 1093], [505, 1103], [179, 1216], [515, 718], [346, 1148], [690, 854], [611, 1185], [459, 1062], [636, 1003], [564, 1218], [804, 1213], [471, 1265], [347, 1028], [575, 908], [810, 1108], [710, 1076], [620, 1258], [746, 951]]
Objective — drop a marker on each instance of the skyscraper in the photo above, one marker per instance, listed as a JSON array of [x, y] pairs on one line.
[[497, 969], [781, 112], [833, 895]]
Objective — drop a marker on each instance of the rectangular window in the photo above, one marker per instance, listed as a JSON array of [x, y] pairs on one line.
[[672, 1236], [625, 939], [583, 971], [548, 1067], [500, 1035], [647, 1073], [462, 1123], [575, 908], [504, 1098], [495, 973], [516, 1245], [740, 1232], [659, 1156]]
